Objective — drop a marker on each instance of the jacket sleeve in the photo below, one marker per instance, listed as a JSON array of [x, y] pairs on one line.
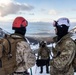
[[66, 56]]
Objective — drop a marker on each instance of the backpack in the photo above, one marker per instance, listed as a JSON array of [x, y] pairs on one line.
[[74, 60], [8, 62], [44, 52]]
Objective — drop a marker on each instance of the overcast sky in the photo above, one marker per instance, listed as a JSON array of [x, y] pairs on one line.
[[37, 10]]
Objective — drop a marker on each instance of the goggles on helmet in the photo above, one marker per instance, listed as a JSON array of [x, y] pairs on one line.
[[61, 21], [55, 23]]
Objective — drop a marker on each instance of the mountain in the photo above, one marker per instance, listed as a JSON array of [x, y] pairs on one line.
[[29, 39], [3, 33], [35, 40]]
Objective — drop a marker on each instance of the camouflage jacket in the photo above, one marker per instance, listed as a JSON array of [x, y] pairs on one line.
[[44, 53], [24, 53], [63, 52]]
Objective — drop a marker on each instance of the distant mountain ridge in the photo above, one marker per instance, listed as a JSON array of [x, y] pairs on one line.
[[3, 32], [35, 40], [30, 39]]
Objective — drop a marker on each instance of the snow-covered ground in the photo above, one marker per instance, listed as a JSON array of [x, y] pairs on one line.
[[36, 70]]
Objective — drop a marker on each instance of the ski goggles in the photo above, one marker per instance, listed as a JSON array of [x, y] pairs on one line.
[[55, 23]]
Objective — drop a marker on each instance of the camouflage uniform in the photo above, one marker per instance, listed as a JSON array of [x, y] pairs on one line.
[[23, 54], [63, 54], [44, 53]]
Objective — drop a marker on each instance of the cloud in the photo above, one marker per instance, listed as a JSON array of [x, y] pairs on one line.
[[58, 12], [14, 8], [5, 1], [53, 12]]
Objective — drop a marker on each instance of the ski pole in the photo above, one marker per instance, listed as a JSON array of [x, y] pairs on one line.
[[31, 71]]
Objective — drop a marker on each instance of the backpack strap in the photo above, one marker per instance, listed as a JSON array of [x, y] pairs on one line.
[[21, 36], [9, 52], [17, 40]]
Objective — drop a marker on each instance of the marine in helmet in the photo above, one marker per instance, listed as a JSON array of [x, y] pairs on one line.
[[44, 54], [23, 48], [19, 25], [64, 51]]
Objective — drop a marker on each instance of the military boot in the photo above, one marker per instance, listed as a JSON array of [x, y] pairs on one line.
[[47, 69], [41, 69]]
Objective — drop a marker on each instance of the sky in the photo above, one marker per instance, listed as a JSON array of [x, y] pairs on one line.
[[37, 10]]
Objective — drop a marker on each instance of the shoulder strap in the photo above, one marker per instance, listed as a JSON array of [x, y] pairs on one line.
[[21, 36], [9, 51]]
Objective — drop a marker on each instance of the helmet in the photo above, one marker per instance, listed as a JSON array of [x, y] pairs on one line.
[[19, 22], [62, 21], [42, 44], [62, 26]]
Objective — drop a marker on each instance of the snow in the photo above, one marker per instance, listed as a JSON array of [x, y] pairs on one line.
[[74, 36], [36, 70]]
